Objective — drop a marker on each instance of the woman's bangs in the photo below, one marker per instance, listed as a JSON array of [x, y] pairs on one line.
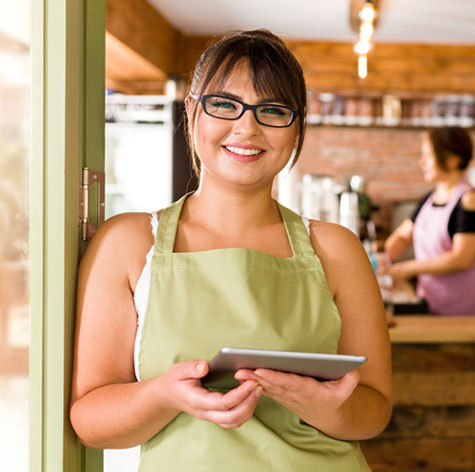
[[270, 80]]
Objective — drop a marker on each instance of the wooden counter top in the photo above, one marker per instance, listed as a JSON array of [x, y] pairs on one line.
[[432, 329]]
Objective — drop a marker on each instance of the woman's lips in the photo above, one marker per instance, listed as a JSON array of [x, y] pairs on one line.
[[244, 153]]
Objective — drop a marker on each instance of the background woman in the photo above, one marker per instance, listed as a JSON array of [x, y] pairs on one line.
[[230, 266], [442, 228]]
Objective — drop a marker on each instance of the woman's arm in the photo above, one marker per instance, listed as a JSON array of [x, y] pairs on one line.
[[358, 406], [400, 240], [460, 257], [109, 408]]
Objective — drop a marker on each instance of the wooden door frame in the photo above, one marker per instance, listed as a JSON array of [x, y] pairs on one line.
[[67, 132]]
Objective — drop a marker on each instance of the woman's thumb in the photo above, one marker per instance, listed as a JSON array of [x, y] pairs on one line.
[[194, 369]]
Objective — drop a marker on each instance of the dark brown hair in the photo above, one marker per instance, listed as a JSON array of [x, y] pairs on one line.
[[451, 140], [274, 71]]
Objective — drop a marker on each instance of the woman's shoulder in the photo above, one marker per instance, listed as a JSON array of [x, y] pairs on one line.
[[122, 241], [468, 200], [335, 244], [340, 252], [126, 227], [329, 235]]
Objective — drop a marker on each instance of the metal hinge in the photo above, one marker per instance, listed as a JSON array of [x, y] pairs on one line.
[[88, 178]]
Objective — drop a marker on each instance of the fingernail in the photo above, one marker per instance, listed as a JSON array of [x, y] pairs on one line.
[[259, 392]]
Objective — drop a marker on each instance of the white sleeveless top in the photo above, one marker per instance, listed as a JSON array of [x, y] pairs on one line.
[[143, 287]]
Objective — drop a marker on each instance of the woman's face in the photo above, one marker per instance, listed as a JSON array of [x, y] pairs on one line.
[[241, 152], [430, 168]]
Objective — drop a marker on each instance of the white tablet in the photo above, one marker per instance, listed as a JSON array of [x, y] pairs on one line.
[[319, 366]]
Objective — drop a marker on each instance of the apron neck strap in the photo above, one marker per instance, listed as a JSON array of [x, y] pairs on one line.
[[168, 223], [296, 232], [167, 226]]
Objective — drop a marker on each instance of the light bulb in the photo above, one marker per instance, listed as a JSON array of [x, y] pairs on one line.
[[362, 47], [362, 67], [366, 31], [368, 12]]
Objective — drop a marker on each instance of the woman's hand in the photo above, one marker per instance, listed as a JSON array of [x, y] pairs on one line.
[[185, 393], [403, 270], [308, 398]]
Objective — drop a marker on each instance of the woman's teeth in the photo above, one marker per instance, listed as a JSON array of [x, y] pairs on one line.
[[242, 151]]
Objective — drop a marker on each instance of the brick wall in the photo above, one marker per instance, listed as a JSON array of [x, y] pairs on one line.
[[386, 158]]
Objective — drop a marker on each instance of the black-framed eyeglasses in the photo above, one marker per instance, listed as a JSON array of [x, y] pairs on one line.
[[267, 114]]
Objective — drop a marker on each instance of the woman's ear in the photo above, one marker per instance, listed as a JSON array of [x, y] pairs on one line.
[[187, 105], [453, 162]]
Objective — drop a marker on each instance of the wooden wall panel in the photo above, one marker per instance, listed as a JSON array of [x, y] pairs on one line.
[[432, 427], [331, 66], [434, 388], [434, 358], [391, 67], [408, 455], [430, 422]]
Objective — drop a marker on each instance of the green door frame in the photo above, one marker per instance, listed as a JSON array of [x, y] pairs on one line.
[[68, 64]]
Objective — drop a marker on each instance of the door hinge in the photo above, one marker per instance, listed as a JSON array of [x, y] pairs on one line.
[[88, 178]]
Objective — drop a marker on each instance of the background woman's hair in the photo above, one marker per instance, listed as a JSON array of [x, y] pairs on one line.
[[451, 140], [274, 71]]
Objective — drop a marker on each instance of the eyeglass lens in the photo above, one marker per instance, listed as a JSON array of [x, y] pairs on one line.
[[229, 109]]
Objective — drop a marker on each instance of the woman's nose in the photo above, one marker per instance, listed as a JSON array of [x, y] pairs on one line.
[[247, 124], [425, 160]]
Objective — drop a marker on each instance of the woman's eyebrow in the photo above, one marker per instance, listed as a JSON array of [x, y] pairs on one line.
[[237, 97]]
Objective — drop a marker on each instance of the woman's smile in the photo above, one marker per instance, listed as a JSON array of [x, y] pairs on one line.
[[243, 152]]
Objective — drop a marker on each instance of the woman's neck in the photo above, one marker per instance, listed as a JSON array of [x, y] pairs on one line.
[[232, 211], [446, 187]]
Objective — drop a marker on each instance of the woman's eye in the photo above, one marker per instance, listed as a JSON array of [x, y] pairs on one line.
[[223, 104], [268, 110]]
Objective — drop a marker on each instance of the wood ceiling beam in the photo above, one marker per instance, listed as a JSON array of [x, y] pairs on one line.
[[137, 25]]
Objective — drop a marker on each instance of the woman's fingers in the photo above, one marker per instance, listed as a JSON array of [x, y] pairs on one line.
[[299, 392], [239, 414], [282, 379], [245, 374], [272, 379], [202, 399]]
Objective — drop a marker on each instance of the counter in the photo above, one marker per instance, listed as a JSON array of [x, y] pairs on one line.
[[432, 329], [433, 423]]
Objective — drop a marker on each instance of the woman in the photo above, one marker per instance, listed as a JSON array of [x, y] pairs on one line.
[[442, 228], [230, 267]]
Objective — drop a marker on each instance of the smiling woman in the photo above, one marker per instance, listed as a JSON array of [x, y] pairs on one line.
[[228, 265]]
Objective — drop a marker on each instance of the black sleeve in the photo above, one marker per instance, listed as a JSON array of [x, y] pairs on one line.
[[419, 206], [461, 220]]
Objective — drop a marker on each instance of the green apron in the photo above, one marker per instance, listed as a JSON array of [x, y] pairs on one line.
[[202, 301]]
